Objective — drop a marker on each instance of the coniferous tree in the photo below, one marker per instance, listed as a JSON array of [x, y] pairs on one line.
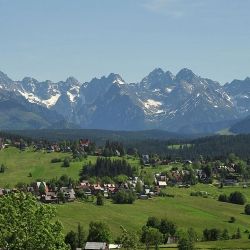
[[100, 200]]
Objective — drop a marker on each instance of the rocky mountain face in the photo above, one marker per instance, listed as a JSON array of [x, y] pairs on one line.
[[239, 92], [184, 103]]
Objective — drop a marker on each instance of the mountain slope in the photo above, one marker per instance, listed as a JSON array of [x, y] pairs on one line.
[[17, 112], [241, 127], [185, 99], [117, 108], [13, 116], [239, 92], [184, 103]]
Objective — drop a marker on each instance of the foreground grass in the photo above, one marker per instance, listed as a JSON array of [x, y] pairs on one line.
[[225, 244], [187, 211]]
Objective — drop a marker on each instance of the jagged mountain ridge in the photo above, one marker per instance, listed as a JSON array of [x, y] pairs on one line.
[[159, 101]]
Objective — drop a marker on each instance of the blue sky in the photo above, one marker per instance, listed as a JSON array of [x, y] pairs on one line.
[[86, 39]]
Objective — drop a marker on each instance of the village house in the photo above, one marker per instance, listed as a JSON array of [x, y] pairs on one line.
[[82, 144], [50, 197], [30, 190], [96, 189], [96, 246], [86, 186], [161, 180], [69, 193], [108, 188], [98, 152], [39, 145], [17, 144], [38, 183]]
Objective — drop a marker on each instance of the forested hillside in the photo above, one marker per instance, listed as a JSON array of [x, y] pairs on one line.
[[149, 142], [211, 147]]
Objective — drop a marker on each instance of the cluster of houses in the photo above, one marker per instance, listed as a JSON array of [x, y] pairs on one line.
[[52, 196], [48, 196], [52, 146], [161, 180]]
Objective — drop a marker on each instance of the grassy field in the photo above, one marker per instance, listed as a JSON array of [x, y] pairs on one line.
[[225, 132], [187, 211], [20, 163]]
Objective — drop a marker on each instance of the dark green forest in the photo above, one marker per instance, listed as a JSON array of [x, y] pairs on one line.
[[107, 167]]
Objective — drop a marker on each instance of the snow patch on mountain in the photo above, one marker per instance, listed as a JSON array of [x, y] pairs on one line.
[[168, 90], [35, 99], [71, 97], [31, 97], [119, 81], [152, 106], [156, 90], [51, 101], [152, 103]]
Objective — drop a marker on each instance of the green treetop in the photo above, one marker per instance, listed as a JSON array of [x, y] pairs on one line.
[[26, 225]]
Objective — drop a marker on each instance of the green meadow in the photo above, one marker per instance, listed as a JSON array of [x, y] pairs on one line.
[[187, 211], [19, 164]]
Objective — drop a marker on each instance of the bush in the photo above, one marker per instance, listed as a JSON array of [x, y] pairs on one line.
[[66, 162], [2, 168], [186, 243], [54, 160], [223, 198], [237, 198], [232, 220], [100, 200], [247, 209], [211, 234], [124, 197], [196, 193]]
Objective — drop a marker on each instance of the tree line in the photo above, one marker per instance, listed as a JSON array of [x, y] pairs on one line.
[[107, 167], [210, 147]]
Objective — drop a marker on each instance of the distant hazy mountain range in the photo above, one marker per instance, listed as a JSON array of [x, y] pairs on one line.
[[184, 103]]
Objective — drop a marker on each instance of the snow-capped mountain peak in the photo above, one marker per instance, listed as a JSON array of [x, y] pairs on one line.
[[160, 100]]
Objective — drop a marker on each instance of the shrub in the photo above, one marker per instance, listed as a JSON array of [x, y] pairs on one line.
[[2, 168], [124, 197], [66, 162], [232, 220], [211, 234], [247, 209], [54, 160], [237, 198], [223, 198], [100, 200]]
